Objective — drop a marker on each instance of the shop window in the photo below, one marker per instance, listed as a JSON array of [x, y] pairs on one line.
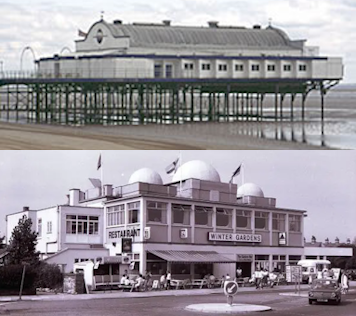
[[157, 212], [261, 220], [133, 212], [181, 214], [279, 222], [203, 215], [295, 223], [223, 217], [180, 268], [157, 268], [202, 269], [115, 215], [243, 219]]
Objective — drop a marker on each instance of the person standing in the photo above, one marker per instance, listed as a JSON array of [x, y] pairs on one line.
[[344, 283], [168, 280], [238, 272], [258, 277]]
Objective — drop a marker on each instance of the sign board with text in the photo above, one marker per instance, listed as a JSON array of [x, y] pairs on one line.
[[212, 236], [294, 274]]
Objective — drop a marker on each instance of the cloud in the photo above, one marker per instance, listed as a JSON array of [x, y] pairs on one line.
[[48, 27]]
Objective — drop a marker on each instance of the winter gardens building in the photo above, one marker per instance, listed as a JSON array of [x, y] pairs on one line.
[[195, 224], [154, 50]]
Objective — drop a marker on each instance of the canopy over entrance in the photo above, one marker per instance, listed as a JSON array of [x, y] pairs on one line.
[[191, 256]]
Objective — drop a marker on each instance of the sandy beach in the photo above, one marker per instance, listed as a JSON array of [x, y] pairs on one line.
[[164, 137]]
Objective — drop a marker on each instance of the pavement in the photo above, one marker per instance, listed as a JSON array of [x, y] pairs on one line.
[[281, 289]]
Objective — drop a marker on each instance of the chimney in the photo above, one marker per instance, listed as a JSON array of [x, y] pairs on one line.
[[74, 195], [117, 22], [167, 22], [257, 27], [108, 191], [25, 209], [213, 24]]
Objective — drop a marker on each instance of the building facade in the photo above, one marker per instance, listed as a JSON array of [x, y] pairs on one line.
[[164, 51], [194, 225]]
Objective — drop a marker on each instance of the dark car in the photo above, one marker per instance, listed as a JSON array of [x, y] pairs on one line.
[[325, 290]]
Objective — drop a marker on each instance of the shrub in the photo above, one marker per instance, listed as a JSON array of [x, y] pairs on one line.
[[11, 275], [49, 276]]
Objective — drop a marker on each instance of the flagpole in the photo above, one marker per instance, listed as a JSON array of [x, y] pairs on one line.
[[243, 173], [101, 174], [180, 176]]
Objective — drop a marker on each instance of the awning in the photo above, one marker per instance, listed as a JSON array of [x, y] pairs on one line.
[[191, 256]]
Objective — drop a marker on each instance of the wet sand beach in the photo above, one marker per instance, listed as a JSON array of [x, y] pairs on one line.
[[187, 136]]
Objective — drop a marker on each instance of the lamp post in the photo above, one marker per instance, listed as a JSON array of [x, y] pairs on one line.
[[22, 54]]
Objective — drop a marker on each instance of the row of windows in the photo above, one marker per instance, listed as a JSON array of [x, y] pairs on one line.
[[82, 225], [181, 214], [241, 67]]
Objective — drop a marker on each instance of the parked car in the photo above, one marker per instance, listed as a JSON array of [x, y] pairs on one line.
[[325, 290]]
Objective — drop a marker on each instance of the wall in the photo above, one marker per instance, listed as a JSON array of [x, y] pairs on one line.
[[48, 241], [13, 221]]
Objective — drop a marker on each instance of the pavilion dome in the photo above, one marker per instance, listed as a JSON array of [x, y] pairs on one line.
[[146, 175], [250, 189], [196, 169]]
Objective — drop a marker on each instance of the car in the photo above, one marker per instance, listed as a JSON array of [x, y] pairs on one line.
[[325, 290]]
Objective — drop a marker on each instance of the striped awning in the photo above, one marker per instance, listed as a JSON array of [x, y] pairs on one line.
[[191, 256]]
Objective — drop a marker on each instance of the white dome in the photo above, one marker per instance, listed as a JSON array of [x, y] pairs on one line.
[[250, 189], [146, 175], [196, 169]]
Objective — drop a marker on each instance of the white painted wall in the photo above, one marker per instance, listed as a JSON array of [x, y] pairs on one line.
[[13, 221]]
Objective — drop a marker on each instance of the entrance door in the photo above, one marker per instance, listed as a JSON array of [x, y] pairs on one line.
[[246, 268]]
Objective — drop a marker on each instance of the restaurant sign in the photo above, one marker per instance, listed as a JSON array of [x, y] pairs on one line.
[[124, 233], [234, 237]]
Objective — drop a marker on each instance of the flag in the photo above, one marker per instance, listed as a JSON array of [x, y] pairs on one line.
[[95, 182], [172, 167], [81, 33], [236, 173], [99, 163]]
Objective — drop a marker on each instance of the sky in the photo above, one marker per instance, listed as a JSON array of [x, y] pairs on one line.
[[49, 26], [319, 182]]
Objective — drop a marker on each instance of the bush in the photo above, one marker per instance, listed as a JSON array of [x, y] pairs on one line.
[[10, 279], [49, 276]]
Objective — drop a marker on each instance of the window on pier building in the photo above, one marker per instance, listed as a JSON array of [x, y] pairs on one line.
[[222, 67], [261, 220], [115, 215], [295, 223], [188, 66], [271, 68], [279, 222], [255, 67], [169, 71], [205, 67], [133, 212], [223, 217], [239, 67], [158, 71], [156, 212], [287, 67], [181, 214], [203, 215], [302, 67], [243, 219]]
